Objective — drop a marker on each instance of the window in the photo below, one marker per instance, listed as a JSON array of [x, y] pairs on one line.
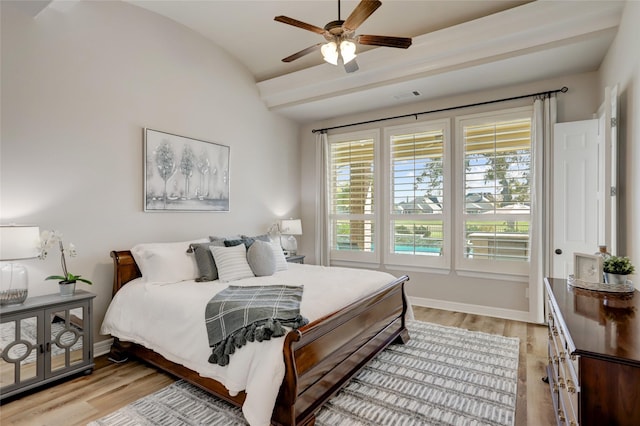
[[495, 169], [395, 201], [352, 200], [419, 200]]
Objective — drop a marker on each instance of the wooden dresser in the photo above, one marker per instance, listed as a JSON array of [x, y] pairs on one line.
[[594, 355]]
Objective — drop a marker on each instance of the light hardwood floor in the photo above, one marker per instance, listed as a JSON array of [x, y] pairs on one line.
[[111, 386]]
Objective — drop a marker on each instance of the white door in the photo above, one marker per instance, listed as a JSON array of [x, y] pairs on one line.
[[576, 198]]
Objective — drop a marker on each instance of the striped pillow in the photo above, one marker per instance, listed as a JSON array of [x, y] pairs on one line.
[[231, 262]]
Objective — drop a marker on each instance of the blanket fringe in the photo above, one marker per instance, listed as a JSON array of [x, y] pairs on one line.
[[258, 332]]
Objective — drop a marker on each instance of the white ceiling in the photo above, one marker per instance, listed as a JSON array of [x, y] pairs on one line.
[[458, 46], [247, 29]]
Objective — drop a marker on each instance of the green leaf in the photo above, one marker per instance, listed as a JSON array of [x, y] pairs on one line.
[[55, 277], [69, 277]]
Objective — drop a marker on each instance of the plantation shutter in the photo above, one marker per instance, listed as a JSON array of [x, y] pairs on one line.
[[352, 195], [417, 192], [497, 190]]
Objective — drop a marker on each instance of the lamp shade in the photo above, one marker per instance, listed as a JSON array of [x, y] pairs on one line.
[[348, 51], [291, 227], [19, 242], [330, 53]]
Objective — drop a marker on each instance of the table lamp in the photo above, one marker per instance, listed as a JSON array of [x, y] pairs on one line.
[[16, 242], [290, 227]]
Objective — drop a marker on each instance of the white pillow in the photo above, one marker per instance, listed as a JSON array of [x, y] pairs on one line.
[[162, 263], [231, 262], [281, 261]]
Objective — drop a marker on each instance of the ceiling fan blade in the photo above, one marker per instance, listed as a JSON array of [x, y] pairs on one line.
[[386, 41], [299, 24], [351, 66], [363, 10], [303, 52]]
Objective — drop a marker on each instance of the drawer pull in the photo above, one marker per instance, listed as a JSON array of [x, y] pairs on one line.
[[561, 416]]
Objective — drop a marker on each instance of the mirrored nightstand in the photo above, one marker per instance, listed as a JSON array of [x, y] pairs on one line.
[[297, 258], [45, 339]]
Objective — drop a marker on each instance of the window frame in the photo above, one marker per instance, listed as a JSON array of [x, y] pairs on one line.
[[372, 257], [486, 267], [438, 264]]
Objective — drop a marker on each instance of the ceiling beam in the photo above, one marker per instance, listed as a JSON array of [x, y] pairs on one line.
[[536, 25]]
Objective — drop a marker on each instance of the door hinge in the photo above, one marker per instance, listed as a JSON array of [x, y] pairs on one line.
[[613, 191], [614, 122]]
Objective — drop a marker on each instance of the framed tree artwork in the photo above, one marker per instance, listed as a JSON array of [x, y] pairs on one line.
[[184, 174]]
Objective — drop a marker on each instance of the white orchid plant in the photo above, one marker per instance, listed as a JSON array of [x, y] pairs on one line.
[[49, 239]]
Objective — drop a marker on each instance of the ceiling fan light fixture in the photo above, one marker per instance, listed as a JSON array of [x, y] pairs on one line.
[[341, 38], [330, 53], [348, 51]]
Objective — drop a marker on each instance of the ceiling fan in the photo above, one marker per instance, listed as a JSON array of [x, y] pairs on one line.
[[340, 47]]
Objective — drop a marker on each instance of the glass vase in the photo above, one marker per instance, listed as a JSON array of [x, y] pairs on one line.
[[13, 284], [604, 254]]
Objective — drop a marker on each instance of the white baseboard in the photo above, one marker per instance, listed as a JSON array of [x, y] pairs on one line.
[[102, 347], [489, 311]]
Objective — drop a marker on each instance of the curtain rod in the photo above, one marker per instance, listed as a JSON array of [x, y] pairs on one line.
[[416, 114]]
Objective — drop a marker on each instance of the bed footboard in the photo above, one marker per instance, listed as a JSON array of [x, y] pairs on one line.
[[322, 356]]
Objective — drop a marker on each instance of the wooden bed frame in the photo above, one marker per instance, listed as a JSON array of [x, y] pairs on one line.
[[319, 357]]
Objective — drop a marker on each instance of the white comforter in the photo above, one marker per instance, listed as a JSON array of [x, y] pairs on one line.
[[169, 319]]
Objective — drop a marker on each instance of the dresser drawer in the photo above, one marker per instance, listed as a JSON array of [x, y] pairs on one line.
[[564, 369], [568, 394]]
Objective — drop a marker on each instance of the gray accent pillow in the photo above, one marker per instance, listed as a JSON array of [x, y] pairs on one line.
[[232, 237], [207, 270], [245, 239], [261, 259], [233, 243], [263, 237]]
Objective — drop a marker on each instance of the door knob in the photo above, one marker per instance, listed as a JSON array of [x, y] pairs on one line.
[[558, 251]]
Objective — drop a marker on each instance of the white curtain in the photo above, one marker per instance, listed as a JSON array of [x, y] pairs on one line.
[[544, 118], [322, 202]]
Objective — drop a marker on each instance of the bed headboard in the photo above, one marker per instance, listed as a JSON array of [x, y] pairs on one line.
[[125, 269]]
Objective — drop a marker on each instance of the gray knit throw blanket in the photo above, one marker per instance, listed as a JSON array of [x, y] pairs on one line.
[[238, 315]]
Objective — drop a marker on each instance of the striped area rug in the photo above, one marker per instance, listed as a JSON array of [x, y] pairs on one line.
[[443, 376]]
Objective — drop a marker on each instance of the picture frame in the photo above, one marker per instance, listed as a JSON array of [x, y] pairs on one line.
[[587, 267], [183, 174]]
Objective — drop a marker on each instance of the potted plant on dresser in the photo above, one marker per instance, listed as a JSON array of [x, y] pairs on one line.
[[617, 269]]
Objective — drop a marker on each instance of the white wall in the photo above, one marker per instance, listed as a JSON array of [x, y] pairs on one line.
[[622, 66], [79, 83], [482, 296]]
